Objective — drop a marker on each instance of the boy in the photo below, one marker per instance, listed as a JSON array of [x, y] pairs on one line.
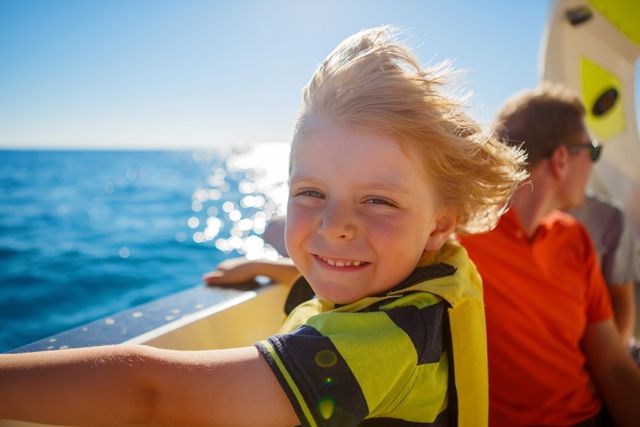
[[383, 170]]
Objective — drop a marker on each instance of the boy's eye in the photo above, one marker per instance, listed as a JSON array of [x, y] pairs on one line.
[[310, 193], [379, 201]]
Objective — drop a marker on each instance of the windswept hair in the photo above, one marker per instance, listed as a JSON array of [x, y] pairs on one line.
[[371, 81], [540, 120]]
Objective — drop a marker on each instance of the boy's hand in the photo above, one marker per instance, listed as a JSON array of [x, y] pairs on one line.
[[233, 271]]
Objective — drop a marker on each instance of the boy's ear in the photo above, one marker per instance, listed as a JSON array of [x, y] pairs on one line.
[[445, 224]]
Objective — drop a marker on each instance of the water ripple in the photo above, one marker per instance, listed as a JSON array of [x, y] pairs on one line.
[[84, 234]]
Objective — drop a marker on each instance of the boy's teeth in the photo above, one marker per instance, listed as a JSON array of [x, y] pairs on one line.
[[341, 263]]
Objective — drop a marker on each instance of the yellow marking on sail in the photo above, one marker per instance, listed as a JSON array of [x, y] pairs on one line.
[[596, 80], [622, 14]]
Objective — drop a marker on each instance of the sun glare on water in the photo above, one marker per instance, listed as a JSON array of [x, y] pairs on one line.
[[253, 184]]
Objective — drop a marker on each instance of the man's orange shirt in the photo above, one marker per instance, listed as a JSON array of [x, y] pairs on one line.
[[540, 295]]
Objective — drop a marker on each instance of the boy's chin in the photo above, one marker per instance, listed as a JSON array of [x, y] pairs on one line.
[[334, 294]]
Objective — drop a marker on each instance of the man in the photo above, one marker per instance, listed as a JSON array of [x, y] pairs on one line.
[[554, 351]]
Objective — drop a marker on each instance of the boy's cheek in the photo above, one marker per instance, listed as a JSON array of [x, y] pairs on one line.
[[299, 216], [297, 226], [386, 227]]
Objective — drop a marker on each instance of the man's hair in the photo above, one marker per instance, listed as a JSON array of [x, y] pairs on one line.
[[540, 120], [371, 81]]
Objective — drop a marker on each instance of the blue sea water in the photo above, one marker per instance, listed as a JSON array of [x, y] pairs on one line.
[[84, 234]]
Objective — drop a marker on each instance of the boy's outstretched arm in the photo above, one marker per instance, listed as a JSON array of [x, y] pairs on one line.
[[143, 386], [238, 270]]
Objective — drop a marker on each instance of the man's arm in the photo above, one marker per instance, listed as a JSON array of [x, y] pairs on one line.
[[143, 386], [615, 374], [624, 308], [238, 270]]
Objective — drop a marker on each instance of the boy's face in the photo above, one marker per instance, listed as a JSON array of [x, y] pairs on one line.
[[360, 211]]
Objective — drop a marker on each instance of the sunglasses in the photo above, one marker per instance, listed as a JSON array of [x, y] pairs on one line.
[[594, 148]]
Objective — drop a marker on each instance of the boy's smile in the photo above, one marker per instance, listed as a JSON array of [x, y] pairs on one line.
[[361, 211], [341, 263]]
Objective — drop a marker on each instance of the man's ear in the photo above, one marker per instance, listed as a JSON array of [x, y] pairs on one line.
[[445, 225], [558, 162]]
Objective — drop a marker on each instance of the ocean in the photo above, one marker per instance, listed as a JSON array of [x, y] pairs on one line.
[[85, 234]]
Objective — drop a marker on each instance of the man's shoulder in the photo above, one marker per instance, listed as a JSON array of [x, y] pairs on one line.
[[563, 231], [558, 221]]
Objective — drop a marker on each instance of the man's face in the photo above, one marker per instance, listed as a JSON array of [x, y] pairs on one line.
[[572, 191]]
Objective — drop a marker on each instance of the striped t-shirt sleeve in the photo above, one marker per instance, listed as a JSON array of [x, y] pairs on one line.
[[342, 368]]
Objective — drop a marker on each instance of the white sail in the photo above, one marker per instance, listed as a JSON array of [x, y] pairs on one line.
[[593, 47]]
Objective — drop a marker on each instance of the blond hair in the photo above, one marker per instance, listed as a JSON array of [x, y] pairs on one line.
[[371, 81], [540, 120]]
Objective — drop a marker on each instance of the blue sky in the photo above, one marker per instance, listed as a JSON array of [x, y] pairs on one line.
[[184, 74]]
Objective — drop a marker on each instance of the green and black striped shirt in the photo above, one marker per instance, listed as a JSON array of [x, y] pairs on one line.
[[380, 361]]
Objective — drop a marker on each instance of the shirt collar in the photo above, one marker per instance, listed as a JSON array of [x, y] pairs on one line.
[[510, 223]]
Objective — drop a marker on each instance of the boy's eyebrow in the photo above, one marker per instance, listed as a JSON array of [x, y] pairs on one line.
[[386, 185], [382, 184], [301, 177]]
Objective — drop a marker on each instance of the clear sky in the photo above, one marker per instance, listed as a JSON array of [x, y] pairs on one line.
[[184, 74]]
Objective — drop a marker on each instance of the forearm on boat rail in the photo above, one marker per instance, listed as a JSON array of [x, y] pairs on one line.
[[237, 270]]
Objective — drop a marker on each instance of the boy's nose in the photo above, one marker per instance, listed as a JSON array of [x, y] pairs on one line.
[[337, 223]]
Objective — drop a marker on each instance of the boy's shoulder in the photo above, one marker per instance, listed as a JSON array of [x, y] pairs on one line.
[[463, 284]]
